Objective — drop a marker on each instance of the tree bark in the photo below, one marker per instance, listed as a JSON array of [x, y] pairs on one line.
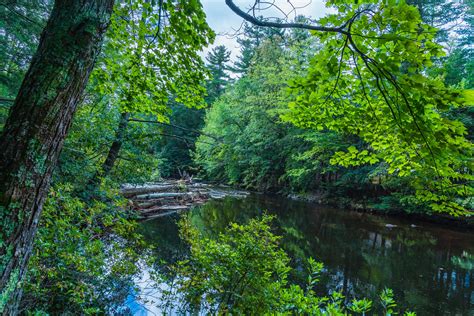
[[116, 145], [37, 126], [113, 153]]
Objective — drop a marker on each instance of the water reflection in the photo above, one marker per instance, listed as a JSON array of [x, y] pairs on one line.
[[430, 268]]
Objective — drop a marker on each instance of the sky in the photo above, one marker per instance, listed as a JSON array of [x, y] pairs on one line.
[[225, 22]]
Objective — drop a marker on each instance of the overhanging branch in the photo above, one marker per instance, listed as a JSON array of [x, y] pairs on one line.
[[376, 68], [174, 126], [259, 22]]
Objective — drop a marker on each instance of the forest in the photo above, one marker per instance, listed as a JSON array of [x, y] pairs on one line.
[[367, 109]]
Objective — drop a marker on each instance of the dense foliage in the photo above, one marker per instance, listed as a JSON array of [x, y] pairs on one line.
[[384, 98], [378, 109], [85, 256], [21, 26], [87, 251], [379, 116]]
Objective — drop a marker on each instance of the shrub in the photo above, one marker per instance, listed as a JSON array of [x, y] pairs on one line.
[[84, 256], [244, 271]]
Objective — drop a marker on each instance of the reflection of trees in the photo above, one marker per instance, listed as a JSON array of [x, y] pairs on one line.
[[163, 234], [214, 216], [464, 261], [363, 259], [361, 254]]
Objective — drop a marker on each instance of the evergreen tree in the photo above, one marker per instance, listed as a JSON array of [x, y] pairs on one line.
[[245, 59], [217, 64], [440, 14], [179, 141], [253, 36], [460, 63], [454, 21]]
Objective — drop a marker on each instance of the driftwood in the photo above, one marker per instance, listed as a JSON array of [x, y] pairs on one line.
[[129, 192], [152, 200]]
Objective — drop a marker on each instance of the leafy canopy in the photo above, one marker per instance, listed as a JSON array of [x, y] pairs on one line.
[[370, 81], [152, 54]]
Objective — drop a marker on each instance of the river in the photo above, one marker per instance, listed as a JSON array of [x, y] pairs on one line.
[[429, 267]]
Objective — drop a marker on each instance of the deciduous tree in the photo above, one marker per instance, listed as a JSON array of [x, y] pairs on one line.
[[36, 127]]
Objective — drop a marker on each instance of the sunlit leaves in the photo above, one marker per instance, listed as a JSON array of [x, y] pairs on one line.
[[371, 82], [151, 55]]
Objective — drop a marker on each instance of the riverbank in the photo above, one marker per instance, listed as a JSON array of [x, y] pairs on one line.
[[363, 206], [366, 206]]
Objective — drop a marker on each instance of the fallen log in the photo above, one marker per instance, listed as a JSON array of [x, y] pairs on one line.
[[163, 195], [152, 200], [130, 192], [134, 193], [145, 205]]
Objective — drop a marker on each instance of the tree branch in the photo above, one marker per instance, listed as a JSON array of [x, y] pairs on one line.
[[174, 126], [259, 22], [6, 100]]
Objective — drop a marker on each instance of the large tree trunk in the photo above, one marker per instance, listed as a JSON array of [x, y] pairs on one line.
[[35, 130]]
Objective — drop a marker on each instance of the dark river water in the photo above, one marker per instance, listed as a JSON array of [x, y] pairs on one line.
[[429, 267]]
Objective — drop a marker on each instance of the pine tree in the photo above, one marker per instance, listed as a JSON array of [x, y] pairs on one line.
[[217, 60], [455, 23], [253, 37]]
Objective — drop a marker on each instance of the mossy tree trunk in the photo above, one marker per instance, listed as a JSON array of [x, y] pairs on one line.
[[37, 126]]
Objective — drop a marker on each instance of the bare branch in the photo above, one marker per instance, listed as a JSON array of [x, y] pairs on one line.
[[174, 126], [7, 100], [259, 22]]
